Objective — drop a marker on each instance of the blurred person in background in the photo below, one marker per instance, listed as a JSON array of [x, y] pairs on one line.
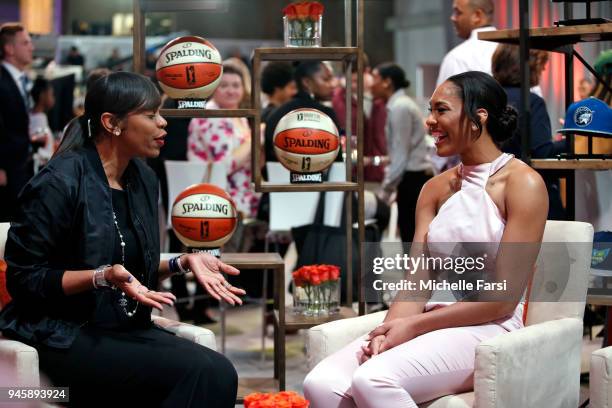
[[506, 70], [279, 86], [469, 18], [245, 73], [16, 50], [585, 87], [409, 165], [41, 135], [374, 119], [74, 57]]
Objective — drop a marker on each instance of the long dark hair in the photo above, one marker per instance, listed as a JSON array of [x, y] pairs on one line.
[[480, 91], [119, 93]]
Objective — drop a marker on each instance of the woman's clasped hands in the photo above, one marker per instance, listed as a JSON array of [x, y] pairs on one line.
[[388, 335]]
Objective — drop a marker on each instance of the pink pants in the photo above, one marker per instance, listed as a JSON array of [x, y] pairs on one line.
[[430, 366]]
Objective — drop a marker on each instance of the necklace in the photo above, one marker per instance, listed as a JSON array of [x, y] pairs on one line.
[[123, 301]]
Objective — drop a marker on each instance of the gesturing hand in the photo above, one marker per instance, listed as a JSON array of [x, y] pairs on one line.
[[208, 271], [125, 281], [395, 332]]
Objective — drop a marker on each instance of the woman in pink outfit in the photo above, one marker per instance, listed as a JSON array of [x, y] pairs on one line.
[[423, 350]]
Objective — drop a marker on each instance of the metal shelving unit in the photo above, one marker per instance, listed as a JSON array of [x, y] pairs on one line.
[[349, 55], [561, 40]]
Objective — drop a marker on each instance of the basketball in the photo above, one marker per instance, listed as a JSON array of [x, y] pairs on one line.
[[189, 68], [306, 141], [204, 216]]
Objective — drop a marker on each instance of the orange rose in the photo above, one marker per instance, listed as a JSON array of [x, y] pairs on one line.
[[324, 272], [303, 10], [250, 399], [316, 9], [290, 12], [334, 273]]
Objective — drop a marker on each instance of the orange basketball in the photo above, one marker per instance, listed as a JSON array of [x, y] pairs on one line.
[[204, 216], [306, 141], [189, 68]]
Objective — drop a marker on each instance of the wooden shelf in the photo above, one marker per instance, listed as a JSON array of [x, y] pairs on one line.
[[307, 53], [253, 260], [326, 186], [296, 321], [552, 38], [564, 164], [208, 113], [249, 385]]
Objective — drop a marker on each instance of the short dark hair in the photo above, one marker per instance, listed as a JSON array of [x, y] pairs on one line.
[[487, 7], [479, 90], [40, 85], [506, 68], [7, 34], [395, 73], [275, 75]]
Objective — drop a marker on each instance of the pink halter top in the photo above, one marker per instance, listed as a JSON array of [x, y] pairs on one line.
[[470, 215]]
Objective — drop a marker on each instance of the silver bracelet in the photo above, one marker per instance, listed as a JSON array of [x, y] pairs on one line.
[[98, 278], [180, 265]]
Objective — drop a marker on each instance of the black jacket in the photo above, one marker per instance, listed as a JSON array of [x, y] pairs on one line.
[[542, 145], [65, 222]]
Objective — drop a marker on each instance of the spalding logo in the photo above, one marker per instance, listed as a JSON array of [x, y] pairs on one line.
[[214, 207], [583, 116], [172, 55]]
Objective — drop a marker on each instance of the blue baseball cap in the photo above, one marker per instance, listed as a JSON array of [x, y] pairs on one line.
[[590, 117]]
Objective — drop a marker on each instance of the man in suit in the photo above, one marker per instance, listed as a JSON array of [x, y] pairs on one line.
[[15, 168]]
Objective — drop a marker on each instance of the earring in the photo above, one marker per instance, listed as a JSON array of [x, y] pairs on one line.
[[117, 132], [474, 127]]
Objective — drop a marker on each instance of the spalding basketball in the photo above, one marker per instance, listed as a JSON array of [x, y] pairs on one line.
[[306, 141], [189, 68], [204, 216]]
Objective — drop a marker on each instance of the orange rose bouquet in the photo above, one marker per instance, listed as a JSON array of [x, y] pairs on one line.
[[302, 22], [283, 399], [316, 289]]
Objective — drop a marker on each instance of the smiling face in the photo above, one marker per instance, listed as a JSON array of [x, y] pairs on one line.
[[230, 91], [446, 121], [142, 134]]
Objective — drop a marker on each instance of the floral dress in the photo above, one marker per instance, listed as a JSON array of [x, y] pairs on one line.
[[214, 139]]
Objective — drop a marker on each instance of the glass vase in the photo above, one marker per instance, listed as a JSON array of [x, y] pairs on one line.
[[303, 32], [317, 300]]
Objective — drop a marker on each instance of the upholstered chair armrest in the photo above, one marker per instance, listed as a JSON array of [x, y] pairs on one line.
[[196, 334], [327, 338], [600, 378], [537, 366], [18, 364]]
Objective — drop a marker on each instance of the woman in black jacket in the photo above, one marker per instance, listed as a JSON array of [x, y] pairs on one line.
[[83, 265]]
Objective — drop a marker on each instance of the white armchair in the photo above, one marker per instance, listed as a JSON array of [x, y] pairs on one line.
[[538, 366], [19, 362], [600, 379]]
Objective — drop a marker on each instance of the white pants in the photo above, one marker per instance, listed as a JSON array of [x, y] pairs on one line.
[[430, 366]]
